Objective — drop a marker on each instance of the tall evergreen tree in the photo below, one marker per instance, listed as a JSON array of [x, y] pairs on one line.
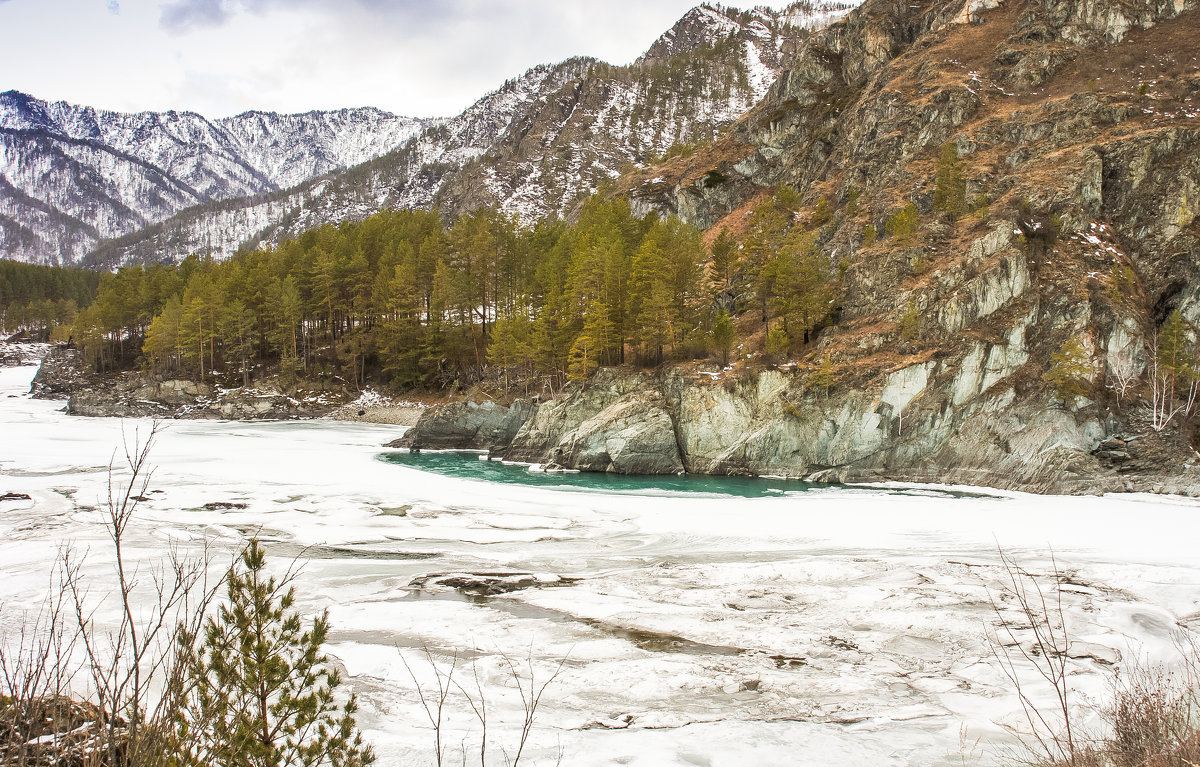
[[724, 333], [950, 195]]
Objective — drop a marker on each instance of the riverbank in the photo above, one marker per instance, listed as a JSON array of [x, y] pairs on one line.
[[130, 394], [936, 422], [933, 422]]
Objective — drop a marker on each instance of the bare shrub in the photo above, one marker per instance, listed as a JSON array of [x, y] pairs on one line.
[[1053, 737], [35, 684], [130, 675], [1152, 718], [134, 670], [436, 698]]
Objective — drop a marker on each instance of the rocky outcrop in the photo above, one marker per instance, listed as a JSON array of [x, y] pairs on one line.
[[488, 584], [65, 375], [61, 372], [616, 423], [15, 352], [187, 399], [956, 420], [466, 426]]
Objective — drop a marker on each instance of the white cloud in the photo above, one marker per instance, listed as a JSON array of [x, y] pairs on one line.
[[184, 15]]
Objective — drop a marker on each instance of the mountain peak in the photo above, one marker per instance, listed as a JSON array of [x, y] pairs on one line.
[[697, 28], [20, 111]]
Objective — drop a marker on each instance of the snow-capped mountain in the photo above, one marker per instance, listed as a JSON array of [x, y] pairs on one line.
[[72, 175], [536, 146]]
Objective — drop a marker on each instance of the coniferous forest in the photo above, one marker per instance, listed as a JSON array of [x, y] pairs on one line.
[[408, 299], [39, 299]]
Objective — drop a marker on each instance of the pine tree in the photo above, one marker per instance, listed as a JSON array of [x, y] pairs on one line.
[[910, 321], [787, 198], [510, 344], [261, 690], [852, 197], [822, 214], [684, 279], [903, 223], [161, 347], [286, 311], [824, 377], [724, 333], [236, 326], [870, 235], [649, 299], [777, 342], [950, 196], [803, 290], [815, 285], [590, 344], [1174, 356], [724, 259], [1070, 369], [327, 277], [358, 284], [198, 322], [762, 243]]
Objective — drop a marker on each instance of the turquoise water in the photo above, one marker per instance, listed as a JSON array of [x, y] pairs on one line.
[[469, 466]]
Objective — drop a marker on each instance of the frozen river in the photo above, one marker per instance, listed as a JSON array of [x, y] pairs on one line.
[[704, 624]]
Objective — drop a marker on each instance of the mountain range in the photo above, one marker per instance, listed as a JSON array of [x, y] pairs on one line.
[[71, 175], [80, 185]]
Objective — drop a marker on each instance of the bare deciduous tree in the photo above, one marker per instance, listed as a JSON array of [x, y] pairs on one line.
[[1041, 614], [1123, 372], [130, 673], [436, 700]]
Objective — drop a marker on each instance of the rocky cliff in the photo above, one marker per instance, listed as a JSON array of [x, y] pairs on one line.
[[927, 424], [1075, 126]]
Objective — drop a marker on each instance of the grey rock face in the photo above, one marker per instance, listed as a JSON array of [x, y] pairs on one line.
[[65, 375], [615, 423], [58, 375], [466, 426], [956, 420]]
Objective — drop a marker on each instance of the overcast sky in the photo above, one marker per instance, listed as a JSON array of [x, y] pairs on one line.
[[221, 57]]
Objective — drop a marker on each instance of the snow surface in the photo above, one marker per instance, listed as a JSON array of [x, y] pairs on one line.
[[835, 626]]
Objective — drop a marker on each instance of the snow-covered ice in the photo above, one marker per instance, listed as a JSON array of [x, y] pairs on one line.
[[832, 626]]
